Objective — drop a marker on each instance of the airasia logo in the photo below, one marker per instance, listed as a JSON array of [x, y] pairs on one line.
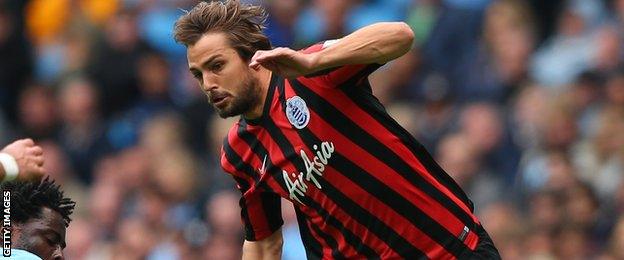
[[314, 168]]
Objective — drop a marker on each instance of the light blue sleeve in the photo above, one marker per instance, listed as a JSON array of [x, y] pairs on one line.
[[18, 254]]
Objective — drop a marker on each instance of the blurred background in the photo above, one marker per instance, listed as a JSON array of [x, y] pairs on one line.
[[522, 102]]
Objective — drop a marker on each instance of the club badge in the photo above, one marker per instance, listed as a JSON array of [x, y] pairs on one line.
[[297, 112]]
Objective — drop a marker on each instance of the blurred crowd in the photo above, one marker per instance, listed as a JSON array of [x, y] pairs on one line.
[[521, 101]]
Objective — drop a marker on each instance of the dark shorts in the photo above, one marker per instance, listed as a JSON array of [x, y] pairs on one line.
[[485, 248]]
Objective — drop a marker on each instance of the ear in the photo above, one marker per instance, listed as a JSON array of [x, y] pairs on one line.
[[16, 231]]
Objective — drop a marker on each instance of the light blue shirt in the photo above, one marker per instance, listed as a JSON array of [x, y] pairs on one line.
[[18, 254]]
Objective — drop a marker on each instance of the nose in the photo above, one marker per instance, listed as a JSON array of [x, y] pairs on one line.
[[58, 254], [209, 83]]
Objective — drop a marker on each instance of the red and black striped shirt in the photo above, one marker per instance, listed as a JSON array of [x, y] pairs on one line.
[[362, 186]]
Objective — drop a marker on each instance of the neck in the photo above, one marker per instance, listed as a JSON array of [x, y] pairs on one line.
[[263, 77]]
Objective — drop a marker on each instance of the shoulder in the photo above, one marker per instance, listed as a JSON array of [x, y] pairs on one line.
[[230, 141], [19, 254], [312, 48], [319, 46], [231, 137]]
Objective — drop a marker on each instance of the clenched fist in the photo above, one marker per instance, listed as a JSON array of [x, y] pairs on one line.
[[29, 158]]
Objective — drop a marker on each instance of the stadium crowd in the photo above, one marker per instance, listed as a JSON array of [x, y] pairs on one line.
[[522, 102]]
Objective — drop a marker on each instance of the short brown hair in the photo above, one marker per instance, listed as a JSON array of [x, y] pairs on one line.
[[241, 23]]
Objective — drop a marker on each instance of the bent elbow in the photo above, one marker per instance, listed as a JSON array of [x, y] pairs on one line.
[[405, 34], [275, 246]]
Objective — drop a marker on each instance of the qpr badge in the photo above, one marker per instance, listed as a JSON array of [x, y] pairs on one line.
[[297, 112]]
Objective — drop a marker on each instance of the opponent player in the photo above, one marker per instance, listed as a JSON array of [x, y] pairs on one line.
[[39, 215], [312, 132]]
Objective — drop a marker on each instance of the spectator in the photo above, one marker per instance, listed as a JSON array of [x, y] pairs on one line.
[[494, 68], [15, 49], [37, 114], [82, 132], [113, 64], [569, 51]]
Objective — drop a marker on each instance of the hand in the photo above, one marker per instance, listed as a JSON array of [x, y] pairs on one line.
[[29, 158], [284, 61]]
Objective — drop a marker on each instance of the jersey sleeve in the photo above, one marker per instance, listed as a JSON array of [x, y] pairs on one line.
[[261, 212], [347, 75]]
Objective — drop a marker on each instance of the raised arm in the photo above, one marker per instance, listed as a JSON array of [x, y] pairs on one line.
[[376, 43], [269, 248]]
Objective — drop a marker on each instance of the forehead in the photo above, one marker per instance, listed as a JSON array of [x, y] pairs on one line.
[[50, 219], [208, 45]]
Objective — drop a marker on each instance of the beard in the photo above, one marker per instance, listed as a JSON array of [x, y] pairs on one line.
[[247, 98]]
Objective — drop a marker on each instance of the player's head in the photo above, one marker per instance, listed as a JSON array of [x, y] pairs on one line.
[[39, 215], [221, 38]]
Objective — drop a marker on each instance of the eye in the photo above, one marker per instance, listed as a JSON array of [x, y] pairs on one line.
[[198, 76], [217, 66], [51, 241]]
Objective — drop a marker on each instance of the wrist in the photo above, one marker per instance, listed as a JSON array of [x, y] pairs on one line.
[[11, 169], [313, 63]]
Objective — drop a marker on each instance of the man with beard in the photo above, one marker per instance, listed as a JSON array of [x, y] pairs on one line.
[[312, 132]]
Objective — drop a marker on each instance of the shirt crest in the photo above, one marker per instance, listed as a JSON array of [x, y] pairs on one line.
[[297, 112]]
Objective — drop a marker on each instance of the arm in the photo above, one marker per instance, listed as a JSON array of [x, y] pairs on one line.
[[376, 43], [29, 159], [261, 212], [265, 249]]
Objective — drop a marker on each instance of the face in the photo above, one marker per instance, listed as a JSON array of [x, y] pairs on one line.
[[223, 75], [44, 236]]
